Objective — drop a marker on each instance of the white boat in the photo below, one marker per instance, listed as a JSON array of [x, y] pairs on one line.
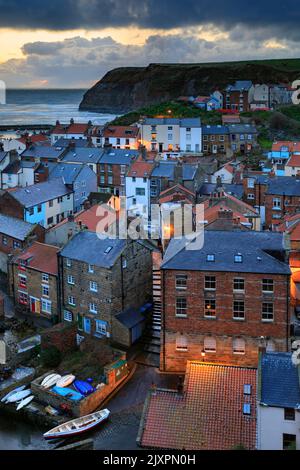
[[25, 402], [52, 380], [18, 389], [78, 426], [48, 377], [65, 381], [18, 396]]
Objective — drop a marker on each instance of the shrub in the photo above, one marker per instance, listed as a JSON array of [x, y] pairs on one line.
[[51, 357]]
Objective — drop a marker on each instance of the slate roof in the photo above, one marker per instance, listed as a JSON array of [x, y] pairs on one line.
[[188, 122], [12, 168], [164, 170], [207, 416], [240, 85], [40, 192], [118, 156], [236, 190], [68, 172], [255, 248], [242, 129], [130, 317], [15, 228], [280, 380], [88, 248], [284, 185], [83, 155], [43, 151], [62, 142], [216, 129]]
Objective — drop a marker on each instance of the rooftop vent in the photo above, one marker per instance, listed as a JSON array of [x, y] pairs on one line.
[[108, 250]]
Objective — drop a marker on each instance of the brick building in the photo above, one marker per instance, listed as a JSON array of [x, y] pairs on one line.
[[33, 282], [220, 300], [101, 279], [215, 140], [282, 198], [113, 168], [236, 97]]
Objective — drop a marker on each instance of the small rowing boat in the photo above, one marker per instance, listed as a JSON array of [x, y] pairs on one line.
[[65, 381], [10, 394], [83, 387], [25, 402], [18, 396], [68, 393], [51, 380], [78, 426]]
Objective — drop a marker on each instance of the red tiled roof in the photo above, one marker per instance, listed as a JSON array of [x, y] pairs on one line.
[[127, 132], [208, 415], [212, 213], [294, 160], [41, 257], [33, 138], [141, 169], [292, 146], [77, 128]]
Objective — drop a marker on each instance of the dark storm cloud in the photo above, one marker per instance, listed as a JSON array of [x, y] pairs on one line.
[[282, 17]]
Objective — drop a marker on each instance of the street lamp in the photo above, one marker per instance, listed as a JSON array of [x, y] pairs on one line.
[[203, 354]]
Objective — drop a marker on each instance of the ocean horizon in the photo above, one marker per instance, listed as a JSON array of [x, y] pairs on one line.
[[46, 106]]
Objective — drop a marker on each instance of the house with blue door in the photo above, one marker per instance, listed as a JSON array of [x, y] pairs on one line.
[[283, 150], [45, 204], [105, 283], [79, 177]]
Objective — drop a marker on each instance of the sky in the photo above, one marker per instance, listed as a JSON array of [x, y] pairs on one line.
[[74, 43]]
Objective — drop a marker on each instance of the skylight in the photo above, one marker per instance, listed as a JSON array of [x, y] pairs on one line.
[[108, 250], [238, 258], [247, 389], [247, 409], [210, 257]]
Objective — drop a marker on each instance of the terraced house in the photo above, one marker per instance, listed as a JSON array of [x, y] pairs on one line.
[[104, 284], [33, 279], [45, 203], [220, 301]]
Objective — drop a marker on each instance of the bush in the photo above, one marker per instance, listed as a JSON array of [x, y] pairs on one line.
[[51, 357]]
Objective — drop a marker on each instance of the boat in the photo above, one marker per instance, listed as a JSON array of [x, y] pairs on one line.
[[83, 387], [18, 389], [51, 411], [51, 380], [48, 377], [65, 381], [78, 426], [18, 396], [25, 402], [67, 393]]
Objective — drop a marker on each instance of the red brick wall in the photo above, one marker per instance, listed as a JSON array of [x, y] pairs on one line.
[[9, 206], [289, 205], [223, 328]]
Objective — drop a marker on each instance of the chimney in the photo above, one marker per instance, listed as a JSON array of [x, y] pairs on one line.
[[178, 173], [89, 141], [225, 214], [87, 205]]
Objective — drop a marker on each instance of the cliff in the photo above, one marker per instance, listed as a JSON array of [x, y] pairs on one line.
[[125, 89]]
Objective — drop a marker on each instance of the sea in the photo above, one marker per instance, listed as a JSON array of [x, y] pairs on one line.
[[25, 107]]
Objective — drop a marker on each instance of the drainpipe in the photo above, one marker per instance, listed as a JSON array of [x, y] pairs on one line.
[[287, 311], [163, 319], [122, 282]]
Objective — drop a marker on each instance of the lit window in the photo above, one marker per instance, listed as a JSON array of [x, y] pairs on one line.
[[209, 308]]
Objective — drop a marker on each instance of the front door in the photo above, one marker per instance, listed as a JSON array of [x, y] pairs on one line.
[[87, 325]]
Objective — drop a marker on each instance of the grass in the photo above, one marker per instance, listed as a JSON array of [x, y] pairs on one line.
[[292, 112]]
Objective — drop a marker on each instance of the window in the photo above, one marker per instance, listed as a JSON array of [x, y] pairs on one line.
[[80, 321], [124, 263], [4, 240], [181, 307], [247, 409], [210, 258], [102, 179], [71, 280], [289, 441], [267, 311], [50, 221], [93, 286], [276, 203], [71, 300], [93, 308], [238, 284], [250, 183], [101, 327], [289, 414], [170, 136], [16, 244], [210, 344], [46, 306], [250, 196], [45, 277], [210, 282], [238, 346], [110, 180], [23, 281], [181, 343], [140, 192], [50, 203], [238, 258], [267, 285], [23, 298], [45, 290], [239, 310], [210, 308], [69, 263], [247, 389], [31, 211], [181, 281], [91, 268], [68, 316]]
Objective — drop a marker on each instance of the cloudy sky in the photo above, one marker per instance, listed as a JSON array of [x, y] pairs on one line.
[[73, 43]]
